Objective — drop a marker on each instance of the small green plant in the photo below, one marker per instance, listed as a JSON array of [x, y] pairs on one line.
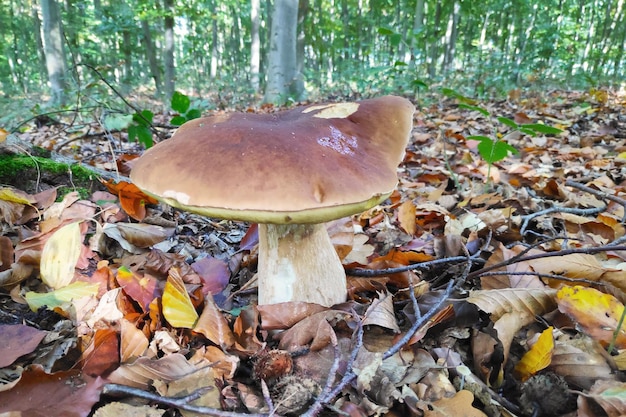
[[140, 130], [494, 149], [181, 104]]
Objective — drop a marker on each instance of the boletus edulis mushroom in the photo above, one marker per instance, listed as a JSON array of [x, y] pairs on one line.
[[290, 172]]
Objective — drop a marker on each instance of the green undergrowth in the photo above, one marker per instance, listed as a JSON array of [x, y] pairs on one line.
[[36, 173]]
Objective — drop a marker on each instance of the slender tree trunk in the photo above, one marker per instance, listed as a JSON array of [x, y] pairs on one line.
[[151, 54], [168, 51], [40, 48], [255, 44], [418, 24], [451, 35], [55, 53], [214, 46], [434, 50], [282, 54]]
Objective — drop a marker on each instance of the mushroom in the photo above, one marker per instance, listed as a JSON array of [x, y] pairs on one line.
[[289, 171]]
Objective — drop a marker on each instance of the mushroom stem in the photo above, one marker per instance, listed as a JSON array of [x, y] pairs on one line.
[[298, 262]]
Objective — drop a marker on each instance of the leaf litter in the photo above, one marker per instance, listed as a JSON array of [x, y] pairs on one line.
[[474, 290]]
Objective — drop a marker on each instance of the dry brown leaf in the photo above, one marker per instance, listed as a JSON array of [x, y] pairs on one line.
[[213, 325], [143, 235], [285, 315], [381, 313], [406, 217], [610, 396], [144, 371], [580, 361], [222, 364], [575, 265], [202, 379], [314, 330], [524, 302], [502, 254], [458, 406], [133, 342]]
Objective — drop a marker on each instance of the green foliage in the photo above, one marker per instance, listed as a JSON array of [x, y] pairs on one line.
[[494, 149], [140, 128], [181, 104]]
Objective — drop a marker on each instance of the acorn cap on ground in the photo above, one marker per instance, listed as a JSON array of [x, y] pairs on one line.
[[309, 164]]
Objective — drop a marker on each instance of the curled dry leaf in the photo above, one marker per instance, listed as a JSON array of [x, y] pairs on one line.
[[380, 313], [314, 330], [524, 302], [502, 254]]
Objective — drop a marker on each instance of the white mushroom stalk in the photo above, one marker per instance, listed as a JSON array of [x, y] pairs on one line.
[[298, 262]]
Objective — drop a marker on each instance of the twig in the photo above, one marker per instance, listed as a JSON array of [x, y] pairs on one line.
[[598, 193], [581, 212], [362, 272], [179, 402]]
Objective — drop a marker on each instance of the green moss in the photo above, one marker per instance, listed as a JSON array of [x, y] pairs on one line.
[[35, 173]]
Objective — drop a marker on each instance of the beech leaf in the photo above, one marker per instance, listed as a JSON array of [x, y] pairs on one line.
[[60, 255], [178, 309]]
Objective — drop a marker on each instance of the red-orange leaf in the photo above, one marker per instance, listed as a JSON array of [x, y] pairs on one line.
[[132, 199]]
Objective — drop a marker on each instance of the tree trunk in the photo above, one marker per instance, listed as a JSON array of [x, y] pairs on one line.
[[418, 24], [282, 54], [451, 35], [40, 48], [153, 62], [255, 44], [168, 51], [55, 53]]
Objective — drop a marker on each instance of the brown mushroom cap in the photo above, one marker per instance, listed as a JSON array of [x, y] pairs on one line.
[[306, 165]]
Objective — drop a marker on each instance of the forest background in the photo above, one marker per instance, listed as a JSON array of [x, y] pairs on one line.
[[221, 51]]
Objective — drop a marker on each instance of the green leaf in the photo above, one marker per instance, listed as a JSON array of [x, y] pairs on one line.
[[526, 131], [63, 295], [481, 110], [508, 122], [399, 64], [385, 31], [118, 121], [479, 138], [395, 39], [141, 134], [538, 127], [178, 120], [180, 102], [144, 118], [492, 151], [193, 114], [419, 84]]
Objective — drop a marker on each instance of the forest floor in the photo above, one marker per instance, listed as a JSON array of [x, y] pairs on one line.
[[475, 289]]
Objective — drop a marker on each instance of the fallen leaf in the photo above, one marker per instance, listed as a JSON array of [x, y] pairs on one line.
[[132, 199], [63, 295], [538, 357], [66, 393], [178, 309], [213, 325], [597, 313], [18, 340], [60, 255]]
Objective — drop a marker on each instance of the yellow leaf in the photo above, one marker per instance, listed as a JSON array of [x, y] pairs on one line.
[[16, 196], [58, 297], [60, 255], [406, 217], [595, 312], [177, 307], [538, 357], [3, 134]]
